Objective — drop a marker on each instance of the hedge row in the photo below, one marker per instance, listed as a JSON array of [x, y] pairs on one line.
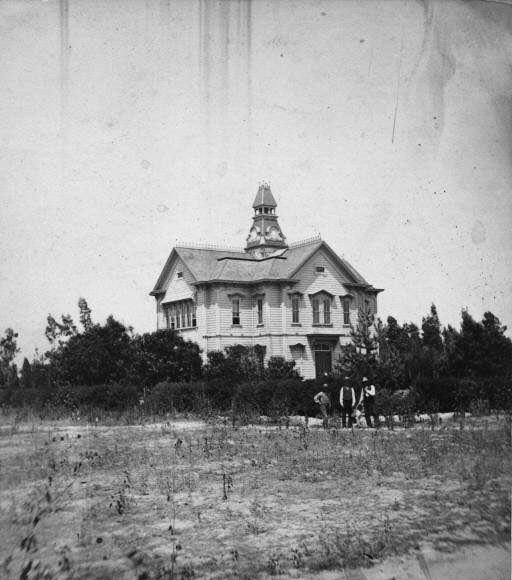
[[271, 397]]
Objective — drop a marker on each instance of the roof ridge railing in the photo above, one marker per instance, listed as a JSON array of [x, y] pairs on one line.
[[200, 246], [306, 241]]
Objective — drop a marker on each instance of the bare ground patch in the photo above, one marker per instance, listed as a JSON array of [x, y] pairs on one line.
[[181, 500]]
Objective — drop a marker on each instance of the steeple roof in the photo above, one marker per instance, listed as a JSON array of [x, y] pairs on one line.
[[264, 197]]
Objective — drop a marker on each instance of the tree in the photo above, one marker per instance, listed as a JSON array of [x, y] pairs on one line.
[[363, 335], [8, 351], [85, 314], [280, 368], [479, 349], [390, 366], [58, 333], [26, 374], [102, 354], [359, 358], [165, 356], [431, 331], [236, 364]]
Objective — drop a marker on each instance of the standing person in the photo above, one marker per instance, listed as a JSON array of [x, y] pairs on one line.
[[323, 400], [368, 400], [347, 402]]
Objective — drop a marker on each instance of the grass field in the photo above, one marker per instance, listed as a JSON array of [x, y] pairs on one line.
[[186, 499]]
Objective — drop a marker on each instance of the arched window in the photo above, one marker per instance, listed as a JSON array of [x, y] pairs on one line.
[[321, 303]]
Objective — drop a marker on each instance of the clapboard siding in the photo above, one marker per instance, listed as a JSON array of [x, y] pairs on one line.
[[311, 282], [273, 301], [160, 316], [215, 329], [179, 288]]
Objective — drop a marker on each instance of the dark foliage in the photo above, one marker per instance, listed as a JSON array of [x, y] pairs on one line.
[[164, 356], [99, 355]]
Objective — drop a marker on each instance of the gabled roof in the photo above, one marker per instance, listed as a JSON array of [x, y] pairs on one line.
[[214, 265]]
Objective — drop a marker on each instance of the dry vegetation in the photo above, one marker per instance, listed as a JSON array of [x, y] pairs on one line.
[[187, 499]]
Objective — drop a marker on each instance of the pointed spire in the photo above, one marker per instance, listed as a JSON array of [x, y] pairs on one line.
[[264, 196]]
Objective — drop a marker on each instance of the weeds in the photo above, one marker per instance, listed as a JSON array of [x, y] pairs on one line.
[[176, 522], [121, 498], [227, 484]]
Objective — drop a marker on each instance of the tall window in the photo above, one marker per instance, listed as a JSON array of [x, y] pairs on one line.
[[327, 311], [236, 310], [316, 311], [180, 314], [260, 310], [295, 309], [346, 310]]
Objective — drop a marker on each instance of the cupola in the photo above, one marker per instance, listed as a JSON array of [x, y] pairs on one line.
[[265, 235]]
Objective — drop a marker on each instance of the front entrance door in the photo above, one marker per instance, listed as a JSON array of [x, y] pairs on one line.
[[323, 360]]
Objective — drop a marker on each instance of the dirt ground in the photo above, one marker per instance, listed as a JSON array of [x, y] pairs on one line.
[[183, 499]]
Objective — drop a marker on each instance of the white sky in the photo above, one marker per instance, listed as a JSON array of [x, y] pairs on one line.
[[126, 125]]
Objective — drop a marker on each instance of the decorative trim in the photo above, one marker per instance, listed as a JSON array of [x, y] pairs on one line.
[[322, 292], [347, 295], [235, 294], [306, 241], [199, 246]]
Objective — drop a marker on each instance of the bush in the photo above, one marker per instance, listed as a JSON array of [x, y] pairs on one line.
[[271, 398], [176, 397], [110, 397], [276, 397], [448, 394]]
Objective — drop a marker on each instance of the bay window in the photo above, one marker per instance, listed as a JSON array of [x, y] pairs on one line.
[[180, 314]]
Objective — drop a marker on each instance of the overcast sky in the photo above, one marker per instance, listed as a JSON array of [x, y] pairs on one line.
[[129, 125]]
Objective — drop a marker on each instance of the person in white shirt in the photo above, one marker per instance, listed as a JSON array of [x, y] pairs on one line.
[[368, 400], [323, 400], [347, 402]]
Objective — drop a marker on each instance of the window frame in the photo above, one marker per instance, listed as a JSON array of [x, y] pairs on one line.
[[235, 318], [315, 303], [326, 303], [259, 310], [321, 305], [296, 309], [345, 303], [181, 315]]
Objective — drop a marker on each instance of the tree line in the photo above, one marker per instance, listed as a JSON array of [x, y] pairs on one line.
[[108, 364]]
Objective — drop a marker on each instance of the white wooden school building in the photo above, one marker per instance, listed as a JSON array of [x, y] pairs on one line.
[[292, 300]]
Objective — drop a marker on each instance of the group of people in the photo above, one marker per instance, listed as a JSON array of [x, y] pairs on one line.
[[349, 404]]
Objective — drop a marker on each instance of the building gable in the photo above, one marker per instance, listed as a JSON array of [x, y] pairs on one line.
[[323, 272], [178, 282]]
